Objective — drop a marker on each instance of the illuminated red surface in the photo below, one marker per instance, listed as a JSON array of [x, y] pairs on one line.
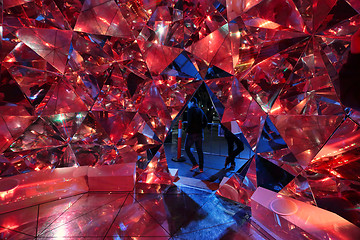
[[94, 83]]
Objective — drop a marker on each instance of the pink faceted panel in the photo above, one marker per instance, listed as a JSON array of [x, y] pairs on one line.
[[6, 138], [23, 221], [305, 134], [49, 212], [102, 18], [157, 56], [52, 45], [299, 189], [179, 92], [12, 99], [156, 171], [38, 135], [234, 190], [341, 150], [134, 220], [155, 111], [101, 82], [84, 217]]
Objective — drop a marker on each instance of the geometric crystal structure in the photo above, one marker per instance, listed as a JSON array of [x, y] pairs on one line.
[[92, 83]]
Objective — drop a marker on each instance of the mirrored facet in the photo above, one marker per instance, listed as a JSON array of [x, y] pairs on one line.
[[101, 82], [12, 99], [22, 221], [299, 189], [157, 171], [270, 176], [89, 223], [63, 100], [233, 190], [207, 47], [134, 220], [306, 134], [339, 12], [52, 45], [103, 18], [157, 114], [38, 135], [49, 212], [272, 147]]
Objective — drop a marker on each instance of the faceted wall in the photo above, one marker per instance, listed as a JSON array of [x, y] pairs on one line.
[[100, 82]]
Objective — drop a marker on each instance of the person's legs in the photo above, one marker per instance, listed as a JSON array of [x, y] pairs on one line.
[[231, 157], [232, 140], [189, 141], [239, 147], [198, 145]]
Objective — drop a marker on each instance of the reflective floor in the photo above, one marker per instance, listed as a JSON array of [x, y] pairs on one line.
[[180, 213]]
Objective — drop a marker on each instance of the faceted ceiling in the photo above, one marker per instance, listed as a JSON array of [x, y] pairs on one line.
[[100, 82]]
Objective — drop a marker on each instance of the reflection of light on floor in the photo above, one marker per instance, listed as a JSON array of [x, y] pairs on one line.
[[9, 226], [122, 227], [61, 232]]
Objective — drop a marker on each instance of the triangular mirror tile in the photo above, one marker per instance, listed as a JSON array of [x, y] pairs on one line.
[[281, 13], [127, 222], [27, 218], [205, 49], [156, 56], [66, 123], [299, 189], [91, 132], [12, 99], [7, 168], [201, 22], [36, 159], [63, 100], [49, 212], [306, 135], [84, 207], [340, 11], [40, 134], [156, 112], [34, 83], [52, 45], [102, 218], [69, 158], [321, 9], [338, 156], [157, 171], [182, 67], [5, 135], [272, 147], [266, 79], [176, 91], [270, 176], [102, 17]]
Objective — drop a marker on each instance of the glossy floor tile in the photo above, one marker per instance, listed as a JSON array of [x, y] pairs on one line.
[[180, 213]]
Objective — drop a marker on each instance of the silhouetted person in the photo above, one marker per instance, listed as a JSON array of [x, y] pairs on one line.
[[232, 140], [349, 80], [197, 121]]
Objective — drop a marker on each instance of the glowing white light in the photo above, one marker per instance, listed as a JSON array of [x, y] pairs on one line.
[[161, 29]]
